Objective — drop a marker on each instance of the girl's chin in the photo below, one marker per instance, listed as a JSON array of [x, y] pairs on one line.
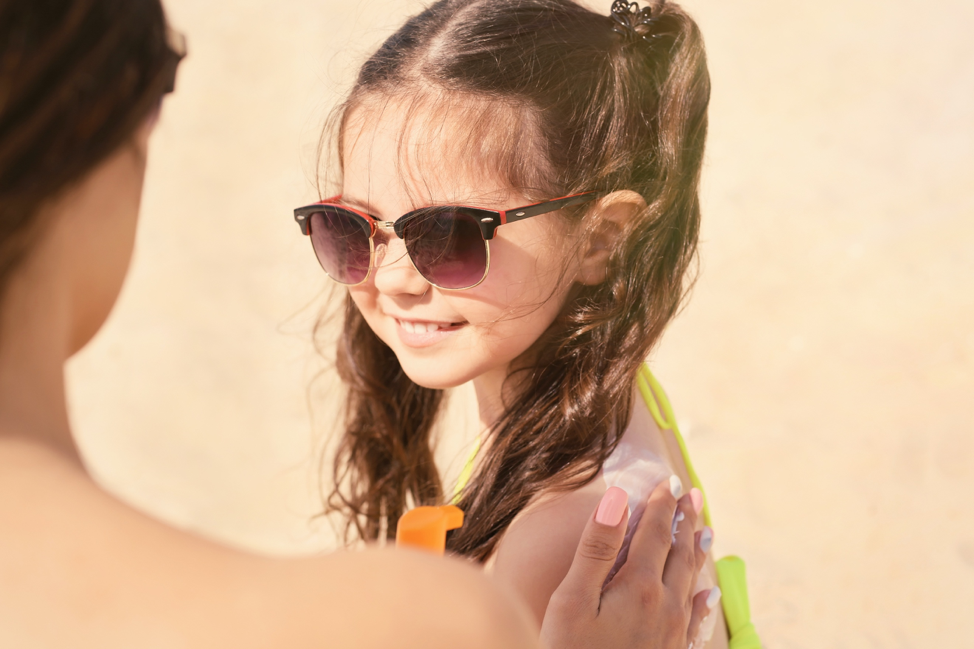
[[434, 378]]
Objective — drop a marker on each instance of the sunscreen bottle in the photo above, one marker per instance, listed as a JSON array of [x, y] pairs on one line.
[[426, 527]]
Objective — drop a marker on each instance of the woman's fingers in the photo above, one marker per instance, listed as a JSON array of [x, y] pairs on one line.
[[703, 603], [682, 567], [651, 540], [648, 603], [702, 542], [598, 548]]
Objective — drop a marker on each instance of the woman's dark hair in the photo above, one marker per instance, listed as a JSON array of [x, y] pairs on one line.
[[592, 106], [77, 78]]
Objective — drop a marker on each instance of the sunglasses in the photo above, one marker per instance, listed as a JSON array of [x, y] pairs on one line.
[[448, 245]]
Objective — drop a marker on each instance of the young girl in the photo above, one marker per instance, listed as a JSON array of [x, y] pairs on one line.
[[518, 208]]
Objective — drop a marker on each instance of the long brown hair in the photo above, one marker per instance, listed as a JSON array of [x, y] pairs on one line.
[[77, 77], [606, 110]]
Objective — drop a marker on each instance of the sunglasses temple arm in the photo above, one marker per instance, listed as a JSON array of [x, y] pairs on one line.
[[528, 211]]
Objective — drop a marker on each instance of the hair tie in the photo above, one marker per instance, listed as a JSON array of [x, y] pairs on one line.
[[633, 22]]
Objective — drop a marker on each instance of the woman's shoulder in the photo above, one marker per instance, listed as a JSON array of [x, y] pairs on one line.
[[45, 491], [79, 568], [71, 552], [34, 476]]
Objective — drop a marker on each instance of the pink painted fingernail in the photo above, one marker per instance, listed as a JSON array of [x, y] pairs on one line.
[[696, 496], [706, 539], [613, 505]]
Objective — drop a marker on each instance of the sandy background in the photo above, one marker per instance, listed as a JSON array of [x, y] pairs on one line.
[[824, 369]]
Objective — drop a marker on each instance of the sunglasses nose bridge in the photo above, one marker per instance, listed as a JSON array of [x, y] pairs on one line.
[[388, 251], [394, 271]]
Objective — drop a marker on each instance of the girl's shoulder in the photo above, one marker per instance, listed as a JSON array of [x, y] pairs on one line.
[[643, 457], [537, 548]]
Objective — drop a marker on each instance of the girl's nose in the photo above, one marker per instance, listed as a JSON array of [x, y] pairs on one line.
[[394, 273]]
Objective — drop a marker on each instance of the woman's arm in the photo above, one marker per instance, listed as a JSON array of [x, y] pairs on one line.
[[80, 569]]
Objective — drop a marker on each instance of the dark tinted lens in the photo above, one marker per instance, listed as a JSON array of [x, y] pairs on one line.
[[341, 242], [447, 247]]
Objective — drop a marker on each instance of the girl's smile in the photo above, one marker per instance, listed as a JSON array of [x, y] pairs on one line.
[[424, 333]]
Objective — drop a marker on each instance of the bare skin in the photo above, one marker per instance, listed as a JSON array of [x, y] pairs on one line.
[[80, 569], [647, 584], [537, 550]]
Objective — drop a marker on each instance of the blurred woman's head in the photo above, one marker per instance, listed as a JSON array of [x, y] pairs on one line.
[[80, 83]]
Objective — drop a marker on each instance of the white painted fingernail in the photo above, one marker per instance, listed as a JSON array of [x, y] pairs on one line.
[[706, 539], [713, 597], [680, 516], [676, 486]]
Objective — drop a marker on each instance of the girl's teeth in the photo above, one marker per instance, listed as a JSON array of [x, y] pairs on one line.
[[419, 327]]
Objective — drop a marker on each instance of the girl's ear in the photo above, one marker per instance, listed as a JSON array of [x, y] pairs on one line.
[[609, 218]]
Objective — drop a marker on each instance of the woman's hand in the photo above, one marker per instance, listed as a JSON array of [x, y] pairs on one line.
[[649, 604]]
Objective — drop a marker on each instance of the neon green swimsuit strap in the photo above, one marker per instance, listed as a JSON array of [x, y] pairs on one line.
[[732, 577], [731, 574], [466, 472], [654, 396]]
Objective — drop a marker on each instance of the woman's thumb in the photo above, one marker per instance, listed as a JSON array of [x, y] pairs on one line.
[[598, 548]]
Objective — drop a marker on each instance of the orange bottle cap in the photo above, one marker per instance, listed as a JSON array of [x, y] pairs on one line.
[[426, 527]]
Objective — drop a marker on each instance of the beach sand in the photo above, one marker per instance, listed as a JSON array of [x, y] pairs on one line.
[[819, 369]]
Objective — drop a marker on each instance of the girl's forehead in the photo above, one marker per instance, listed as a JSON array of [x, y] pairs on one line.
[[398, 156]]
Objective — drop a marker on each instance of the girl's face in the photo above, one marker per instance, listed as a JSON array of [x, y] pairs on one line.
[[445, 338]]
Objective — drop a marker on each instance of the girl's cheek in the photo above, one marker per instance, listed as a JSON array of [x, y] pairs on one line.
[[365, 300], [534, 267]]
